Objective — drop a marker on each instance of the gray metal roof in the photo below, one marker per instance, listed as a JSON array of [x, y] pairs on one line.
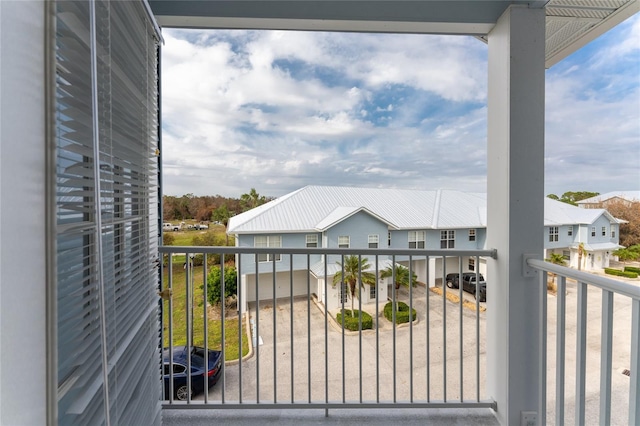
[[570, 24], [316, 208]]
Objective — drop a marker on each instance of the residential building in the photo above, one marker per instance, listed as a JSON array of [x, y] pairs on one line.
[[81, 184], [365, 218], [603, 200]]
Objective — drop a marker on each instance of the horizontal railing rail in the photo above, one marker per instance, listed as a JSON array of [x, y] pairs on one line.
[[594, 396], [300, 353]]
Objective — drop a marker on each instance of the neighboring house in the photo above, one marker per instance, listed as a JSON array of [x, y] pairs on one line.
[[346, 217], [567, 227], [603, 200]]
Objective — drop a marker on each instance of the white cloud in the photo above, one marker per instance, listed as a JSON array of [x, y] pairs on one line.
[[277, 110]]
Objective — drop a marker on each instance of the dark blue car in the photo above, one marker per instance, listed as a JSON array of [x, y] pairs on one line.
[[198, 370]]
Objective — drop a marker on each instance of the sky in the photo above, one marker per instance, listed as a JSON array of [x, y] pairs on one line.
[[279, 110]]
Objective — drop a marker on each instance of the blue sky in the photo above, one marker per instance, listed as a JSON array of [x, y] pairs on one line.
[[278, 110]]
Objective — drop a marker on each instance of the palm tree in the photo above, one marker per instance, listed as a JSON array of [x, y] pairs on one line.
[[556, 259], [401, 275], [351, 272], [581, 253]]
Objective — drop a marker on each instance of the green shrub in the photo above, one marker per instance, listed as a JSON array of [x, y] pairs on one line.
[[352, 322], [213, 283], [632, 269], [620, 273], [402, 312]]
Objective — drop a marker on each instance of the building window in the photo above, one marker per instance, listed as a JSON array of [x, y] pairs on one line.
[[566, 254], [604, 231], [593, 231], [373, 240], [553, 233], [613, 232], [312, 240], [343, 293], [343, 241], [416, 239], [389, 238], [472, 234], [447, 239], [268, 241], [570, 231], [472, 264], [372, 292]]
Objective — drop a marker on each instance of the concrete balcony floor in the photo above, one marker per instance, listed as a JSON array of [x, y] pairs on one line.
[[375, 417]]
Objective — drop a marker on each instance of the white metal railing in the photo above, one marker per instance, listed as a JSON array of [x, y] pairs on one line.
[[300, 357], [598, 392]]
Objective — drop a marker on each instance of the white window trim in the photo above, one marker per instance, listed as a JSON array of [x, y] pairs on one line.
[[472, 234], [553, 233], [311, 239], [374, 239], [417, 237], [448, 237], [270, 241], [341, 244]]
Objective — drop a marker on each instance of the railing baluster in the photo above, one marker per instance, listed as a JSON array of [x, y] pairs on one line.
[[581, 353], [393, 320], [189, 316], [477, 265], [291, 355], [444, 328], [308, 327], [377, 331], [359, 327], [542, 342], [411, 329], [634, 367], [605, 357], [275, 350], [205, 329], [460, 322], [241, 313], [428, 326], [257, 330], [222, 327], [560, 348], [170, 320], [326, 340]]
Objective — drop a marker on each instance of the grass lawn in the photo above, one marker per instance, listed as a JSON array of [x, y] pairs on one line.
[[214, 338]]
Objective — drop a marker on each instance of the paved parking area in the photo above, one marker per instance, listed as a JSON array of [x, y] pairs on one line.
[[301, 359]]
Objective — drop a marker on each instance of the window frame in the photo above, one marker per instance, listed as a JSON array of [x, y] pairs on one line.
[[593, 231], [414, 238], [447, 239], [342, 244], [376, 237], [604, 231], [472, 234], [270, 241], [570, 231], [554, 234], [308, 240]]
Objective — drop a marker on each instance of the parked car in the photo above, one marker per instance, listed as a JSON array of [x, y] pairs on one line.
[[167, 226], [201, 226], [468, 283], [198, 370]]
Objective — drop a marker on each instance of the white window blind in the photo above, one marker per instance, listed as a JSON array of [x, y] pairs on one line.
[[107, 237]]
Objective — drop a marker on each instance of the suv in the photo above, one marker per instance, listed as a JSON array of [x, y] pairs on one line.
[[468, 283]]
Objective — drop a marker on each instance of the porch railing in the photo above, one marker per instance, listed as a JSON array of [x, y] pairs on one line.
[[601, 361], [299, 356]]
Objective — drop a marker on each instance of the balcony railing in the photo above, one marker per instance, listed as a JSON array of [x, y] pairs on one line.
[[300, 356], [594, 374]]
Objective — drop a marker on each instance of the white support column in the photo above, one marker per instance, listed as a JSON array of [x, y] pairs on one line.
[[23, 349], [515, 203]]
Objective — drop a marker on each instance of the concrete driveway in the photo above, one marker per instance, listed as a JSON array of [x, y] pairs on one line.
[[409, 356]]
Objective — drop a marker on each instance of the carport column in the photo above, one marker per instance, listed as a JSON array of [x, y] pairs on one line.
[[515, 208]]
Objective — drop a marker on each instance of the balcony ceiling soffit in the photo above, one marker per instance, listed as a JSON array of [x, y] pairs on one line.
[[570, 24]]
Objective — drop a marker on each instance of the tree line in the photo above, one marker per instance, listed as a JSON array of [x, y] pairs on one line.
[[210, 207]]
